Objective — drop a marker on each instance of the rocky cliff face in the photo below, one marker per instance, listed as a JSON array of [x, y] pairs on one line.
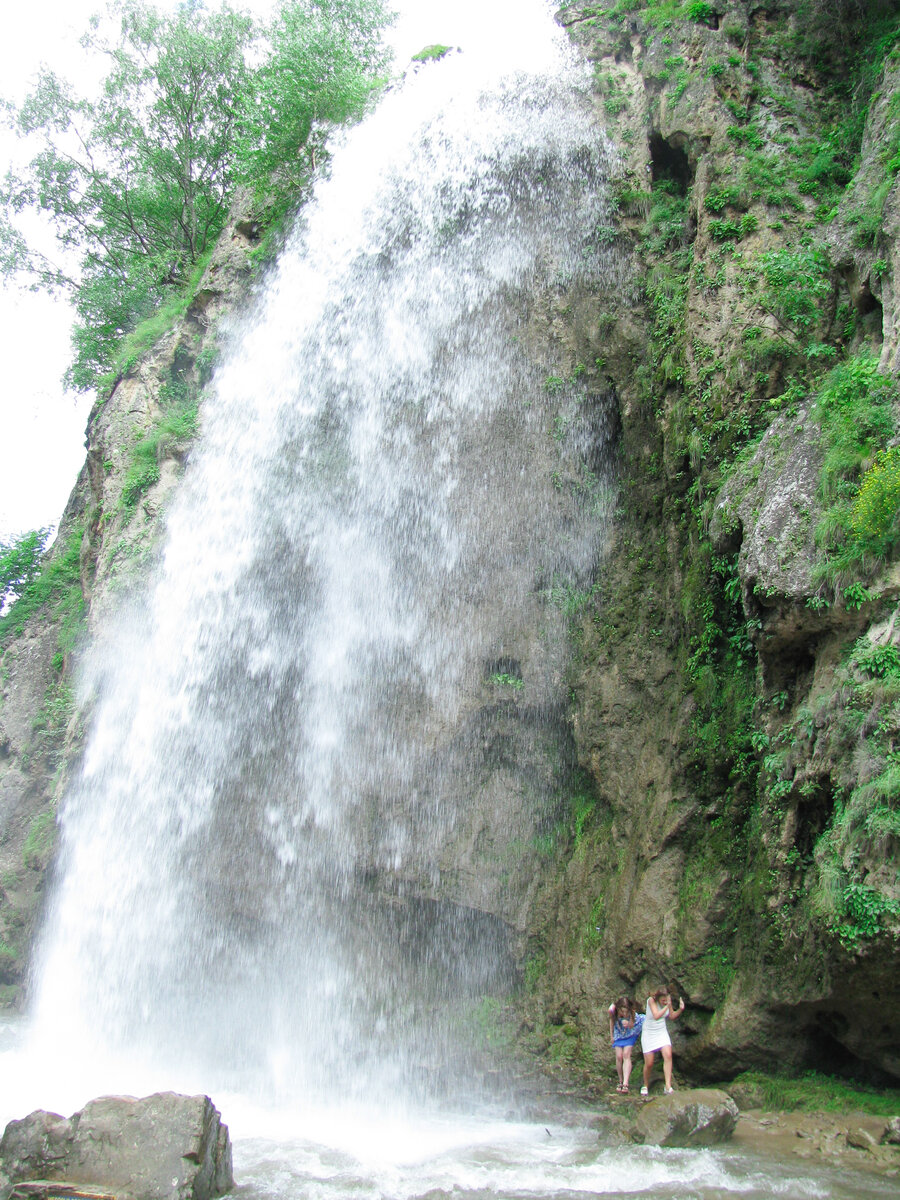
[[734, 697], [734, 705]]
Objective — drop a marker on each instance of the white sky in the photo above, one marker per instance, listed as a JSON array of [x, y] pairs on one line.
[[42, 447]]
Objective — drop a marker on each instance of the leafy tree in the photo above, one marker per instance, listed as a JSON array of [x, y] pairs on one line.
[[137, 180], [20, 564], [325, 62]]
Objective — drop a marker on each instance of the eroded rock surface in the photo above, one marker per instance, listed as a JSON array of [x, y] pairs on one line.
[[704, 1117], [161, 1147]]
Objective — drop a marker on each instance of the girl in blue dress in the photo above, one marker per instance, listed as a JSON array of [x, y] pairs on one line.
[[625, 1024]]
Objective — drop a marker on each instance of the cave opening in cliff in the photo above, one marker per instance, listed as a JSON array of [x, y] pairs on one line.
[[814, 814], [669, 161], [870, 315], [828, 1053]]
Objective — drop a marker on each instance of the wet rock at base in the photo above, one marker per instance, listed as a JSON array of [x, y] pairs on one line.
[[162, 1147], [703, 1117]]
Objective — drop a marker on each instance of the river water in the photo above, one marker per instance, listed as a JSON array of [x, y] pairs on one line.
[[327, 741], [319, 1151]]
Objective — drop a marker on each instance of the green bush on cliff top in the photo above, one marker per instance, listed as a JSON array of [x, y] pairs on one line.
[[137, 181]]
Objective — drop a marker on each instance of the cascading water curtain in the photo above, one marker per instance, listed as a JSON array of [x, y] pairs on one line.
[[321, 753]]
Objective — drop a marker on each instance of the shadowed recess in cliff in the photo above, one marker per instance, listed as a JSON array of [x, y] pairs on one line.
[[294, 838]]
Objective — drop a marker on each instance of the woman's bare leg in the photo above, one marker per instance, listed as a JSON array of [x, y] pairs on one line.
[[667, 1066], [626, 1065], [649, 1056]]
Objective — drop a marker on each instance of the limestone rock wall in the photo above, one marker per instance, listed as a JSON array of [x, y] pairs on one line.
[[717, 705]]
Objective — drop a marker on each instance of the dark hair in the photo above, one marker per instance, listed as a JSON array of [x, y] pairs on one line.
[[660, 992], [627, 1003]]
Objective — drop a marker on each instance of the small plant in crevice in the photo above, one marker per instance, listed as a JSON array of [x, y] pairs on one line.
[[505, 680], [175, 427], [39, 840]]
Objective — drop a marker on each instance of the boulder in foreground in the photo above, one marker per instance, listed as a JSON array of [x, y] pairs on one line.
[[702, 1117], [163, 1147]]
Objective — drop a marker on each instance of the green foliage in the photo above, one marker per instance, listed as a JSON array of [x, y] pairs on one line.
[[431, 53], [855, 408], [877, 660], [535, 971], [584, 802], [729, 230], [720, 198], [39, 840], [569, 599], [701, 11], [724, 230], [492, 1024], [859, 723], [502, 679], [325, 60], [797, 283], [875, 515], [137, 180], [101, 349], [57, 588], [665, 228], [856, 595], [175, 426], [20, 564], [814, 1092], [868, 914], [592, 935]]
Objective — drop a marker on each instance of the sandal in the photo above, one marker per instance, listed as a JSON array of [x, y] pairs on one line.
[[619, 1088], [624, 1089]]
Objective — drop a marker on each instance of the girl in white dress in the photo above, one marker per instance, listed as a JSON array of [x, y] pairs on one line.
[[655, 1036]]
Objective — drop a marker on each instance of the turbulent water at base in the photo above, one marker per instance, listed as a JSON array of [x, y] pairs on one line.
[[324, 751]]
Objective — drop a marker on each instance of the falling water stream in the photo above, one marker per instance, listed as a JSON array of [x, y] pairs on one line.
[[325, 748]]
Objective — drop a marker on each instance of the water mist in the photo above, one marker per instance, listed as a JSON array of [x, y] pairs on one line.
[[322, 753]]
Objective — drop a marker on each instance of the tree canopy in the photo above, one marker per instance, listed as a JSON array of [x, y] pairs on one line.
[[20, 564], [137, 179]]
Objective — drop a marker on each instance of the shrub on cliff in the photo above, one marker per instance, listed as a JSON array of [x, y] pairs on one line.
[[855, 409], [34, 581], [20, 564], [137, 180]]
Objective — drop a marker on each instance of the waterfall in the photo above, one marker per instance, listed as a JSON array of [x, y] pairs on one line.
[[324, 751]]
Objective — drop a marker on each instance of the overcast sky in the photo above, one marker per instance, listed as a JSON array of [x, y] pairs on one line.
[[42, 426]]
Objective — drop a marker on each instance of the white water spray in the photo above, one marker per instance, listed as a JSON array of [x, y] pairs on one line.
[[322, 755], [262, 880]]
